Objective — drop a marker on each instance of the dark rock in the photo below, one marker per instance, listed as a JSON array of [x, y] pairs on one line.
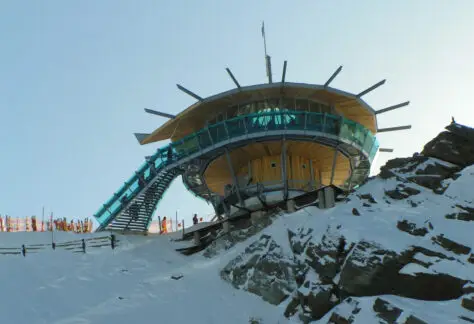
[[366, 205], [467, 217], [414, 320], [471, 258], [355, 212], [371, 270], [467, 214], [402, 192], [338, 319], [386, 311], [368, 197], [347, 303], [226, 242], [319, 301], [468, 303], [299, 241], [177, 277], [451, 147], [412, 203], [451, 245], [467, 319], [327, 256], [411, 228], [263, 270], [395, 194]]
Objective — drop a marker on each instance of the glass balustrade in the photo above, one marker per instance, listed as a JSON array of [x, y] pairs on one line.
[[345, 129]]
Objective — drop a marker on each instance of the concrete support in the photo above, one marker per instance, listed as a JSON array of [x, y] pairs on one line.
[[321, 199], [226, 227], [290, 206], [196, 238], [256, 216], [234, 178], [329, 199]]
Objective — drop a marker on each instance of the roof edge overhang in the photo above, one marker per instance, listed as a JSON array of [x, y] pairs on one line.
[[148, 139]]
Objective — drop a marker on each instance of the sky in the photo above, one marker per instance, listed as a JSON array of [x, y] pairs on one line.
[[76, 76]]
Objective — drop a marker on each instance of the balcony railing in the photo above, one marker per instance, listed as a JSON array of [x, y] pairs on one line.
[[226, 130]]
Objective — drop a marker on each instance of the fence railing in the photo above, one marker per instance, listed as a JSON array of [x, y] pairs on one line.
[[226, 130], [74, 246]]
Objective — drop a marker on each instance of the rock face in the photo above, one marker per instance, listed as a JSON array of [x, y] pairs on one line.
[[406, 246], [455, 146], [264, 270]]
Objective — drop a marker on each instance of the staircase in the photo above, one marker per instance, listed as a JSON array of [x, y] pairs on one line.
[[137, 214], [131, 207]]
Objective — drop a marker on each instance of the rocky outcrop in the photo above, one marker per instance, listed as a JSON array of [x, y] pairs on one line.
[[335, 273], [411, 228], [264, 270], [455, 145]]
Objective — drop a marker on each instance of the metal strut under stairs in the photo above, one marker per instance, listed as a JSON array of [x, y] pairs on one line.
[[137, 214]]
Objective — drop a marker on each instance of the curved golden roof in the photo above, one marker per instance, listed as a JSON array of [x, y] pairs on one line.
[[194, 118]]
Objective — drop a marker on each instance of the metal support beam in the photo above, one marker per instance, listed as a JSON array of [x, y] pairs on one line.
[[233, 78], [284, 73], [403, 104], [192, 94], [234, 177], [375, 86], [387, 150], [311, 172], [392, 129], [333, 76], [160, 113], [141, 136], [283, 169], [333, 170]]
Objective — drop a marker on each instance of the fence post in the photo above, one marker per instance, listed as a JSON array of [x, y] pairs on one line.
[[83, 246], [183, 227]]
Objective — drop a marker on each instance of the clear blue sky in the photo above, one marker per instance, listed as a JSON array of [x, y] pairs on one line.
[[76, 75]]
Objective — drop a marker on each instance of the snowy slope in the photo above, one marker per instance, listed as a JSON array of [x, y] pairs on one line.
[[131, 284]]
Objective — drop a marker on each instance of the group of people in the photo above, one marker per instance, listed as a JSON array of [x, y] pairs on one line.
[[32, 224], [164, 223]]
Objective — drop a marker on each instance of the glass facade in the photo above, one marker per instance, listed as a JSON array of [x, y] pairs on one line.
[[269, 105], [264, 120]]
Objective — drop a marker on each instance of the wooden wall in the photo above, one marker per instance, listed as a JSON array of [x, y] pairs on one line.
[[263, 155]]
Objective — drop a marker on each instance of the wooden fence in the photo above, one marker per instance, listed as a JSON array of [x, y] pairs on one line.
[[74, 246]]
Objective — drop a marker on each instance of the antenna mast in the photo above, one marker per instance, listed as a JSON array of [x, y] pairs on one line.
[[268, 62]]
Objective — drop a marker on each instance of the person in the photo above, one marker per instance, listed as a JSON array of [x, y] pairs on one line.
[[163, 225], [195, 219]]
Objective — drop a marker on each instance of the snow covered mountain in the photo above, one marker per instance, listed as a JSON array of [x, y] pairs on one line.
[[397, 250]]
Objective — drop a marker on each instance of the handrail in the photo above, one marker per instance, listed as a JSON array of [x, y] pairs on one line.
[[238, 126]]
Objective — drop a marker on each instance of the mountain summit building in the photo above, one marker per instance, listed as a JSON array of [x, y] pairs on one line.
[[252, 146]]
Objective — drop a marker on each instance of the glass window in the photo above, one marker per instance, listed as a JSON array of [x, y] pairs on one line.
[[301, 104]]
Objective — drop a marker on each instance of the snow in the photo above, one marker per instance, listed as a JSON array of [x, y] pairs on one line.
[[133, 282], [62, 287], [412, 269]]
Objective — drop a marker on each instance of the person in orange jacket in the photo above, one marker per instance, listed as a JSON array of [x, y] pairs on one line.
[[163, 225]]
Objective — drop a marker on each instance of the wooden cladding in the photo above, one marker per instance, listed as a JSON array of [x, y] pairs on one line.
[[261, 163]]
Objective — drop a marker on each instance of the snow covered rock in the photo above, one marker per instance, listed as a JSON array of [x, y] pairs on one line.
[[263, 269], [455, 145], [408, 252]]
